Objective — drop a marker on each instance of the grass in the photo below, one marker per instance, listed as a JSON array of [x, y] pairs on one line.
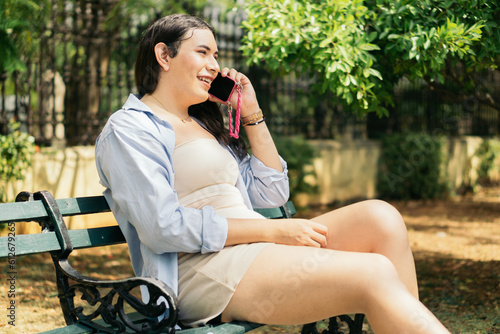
[[457, 252]]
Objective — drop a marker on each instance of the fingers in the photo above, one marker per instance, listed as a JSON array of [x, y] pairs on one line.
[[320, 228], [320, 235], [229, 72], [308, 233], [239, 77], [249, 104], [314, 240]]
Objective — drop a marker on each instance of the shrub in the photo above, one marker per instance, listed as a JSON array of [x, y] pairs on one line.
[[487, 152], [412, 167], [16, 152]]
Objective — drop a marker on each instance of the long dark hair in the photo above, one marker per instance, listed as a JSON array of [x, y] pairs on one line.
[[173, 30]]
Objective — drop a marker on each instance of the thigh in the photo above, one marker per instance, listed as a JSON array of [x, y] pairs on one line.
[[296, 285], [363, 226]]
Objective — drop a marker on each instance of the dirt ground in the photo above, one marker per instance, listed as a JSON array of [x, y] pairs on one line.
[[457, 252]]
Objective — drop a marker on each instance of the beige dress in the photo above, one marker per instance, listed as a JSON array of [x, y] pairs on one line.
[[206, 174]]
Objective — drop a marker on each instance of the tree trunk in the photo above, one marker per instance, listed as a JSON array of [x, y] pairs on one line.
[[93, 46]]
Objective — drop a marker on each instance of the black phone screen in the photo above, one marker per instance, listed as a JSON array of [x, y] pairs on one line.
[[222, 87]]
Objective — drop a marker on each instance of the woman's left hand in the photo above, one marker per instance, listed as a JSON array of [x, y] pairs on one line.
[[249, 103], [259, 138]]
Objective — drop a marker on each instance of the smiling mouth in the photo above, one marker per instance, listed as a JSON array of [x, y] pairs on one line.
[[207, 80]]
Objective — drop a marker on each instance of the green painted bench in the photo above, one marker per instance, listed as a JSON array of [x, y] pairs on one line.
[[99, 306]]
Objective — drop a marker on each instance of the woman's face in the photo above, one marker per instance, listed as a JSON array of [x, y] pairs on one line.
[[195, 66]]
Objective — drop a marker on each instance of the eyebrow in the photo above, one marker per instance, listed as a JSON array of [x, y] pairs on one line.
[[206, 47]]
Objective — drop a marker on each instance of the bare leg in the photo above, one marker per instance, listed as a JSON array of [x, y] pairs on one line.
[[373, 227], [296, 285]]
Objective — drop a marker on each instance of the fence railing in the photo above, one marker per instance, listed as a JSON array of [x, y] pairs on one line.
[[420, 108], [84, 72]]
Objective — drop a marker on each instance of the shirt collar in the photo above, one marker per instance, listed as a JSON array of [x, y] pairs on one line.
[[134, 102]]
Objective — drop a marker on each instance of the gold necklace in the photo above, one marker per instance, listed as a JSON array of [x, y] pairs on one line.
[[184, 120]]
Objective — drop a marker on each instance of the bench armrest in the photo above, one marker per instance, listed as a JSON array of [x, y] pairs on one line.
[[158, 314]]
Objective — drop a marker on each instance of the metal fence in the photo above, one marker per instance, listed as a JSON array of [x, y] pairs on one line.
[[85, 72], [421, 108]]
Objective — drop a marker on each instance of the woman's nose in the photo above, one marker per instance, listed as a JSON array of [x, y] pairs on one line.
[[213, 65]]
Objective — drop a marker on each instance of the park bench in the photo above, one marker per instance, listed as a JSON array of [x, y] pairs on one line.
[[105, 306]]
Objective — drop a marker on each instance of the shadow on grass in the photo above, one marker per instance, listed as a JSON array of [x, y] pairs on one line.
[[464, 294]]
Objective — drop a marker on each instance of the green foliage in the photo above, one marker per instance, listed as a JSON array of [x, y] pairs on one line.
[[325, 39], [123, 10], [412, 167], [20, 22], [487, 152], [16, 152], [422, 36], [299, 156], [360, 49], [23, 21]]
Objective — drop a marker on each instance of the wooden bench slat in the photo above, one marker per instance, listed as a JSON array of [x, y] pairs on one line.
[[82, 205], [26, 244], [77, 328], [30, 211], [229, 328], [235, 327], [70, 329], [20, 211], [274, 213]]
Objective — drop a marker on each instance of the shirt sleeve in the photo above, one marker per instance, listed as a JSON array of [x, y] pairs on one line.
[[135, 164], [266, 186]]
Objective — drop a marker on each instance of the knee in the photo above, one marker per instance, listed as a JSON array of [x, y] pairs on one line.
[[382, 267], [381, 280], [380, 274], [386, 219]]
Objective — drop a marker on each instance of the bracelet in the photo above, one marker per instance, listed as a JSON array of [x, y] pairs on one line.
[[253, 117], [257, 122]]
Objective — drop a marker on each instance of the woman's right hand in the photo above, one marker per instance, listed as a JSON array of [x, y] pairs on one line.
[[300, 232], [291, 231]]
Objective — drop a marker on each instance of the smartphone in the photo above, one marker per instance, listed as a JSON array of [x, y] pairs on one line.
[[222, 88]]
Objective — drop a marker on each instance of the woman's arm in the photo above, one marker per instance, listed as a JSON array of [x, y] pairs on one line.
[[284, 231], [261, 142], [297, 232], [263, 174]]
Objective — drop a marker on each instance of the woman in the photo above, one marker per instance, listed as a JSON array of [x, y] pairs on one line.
[[183, 191]]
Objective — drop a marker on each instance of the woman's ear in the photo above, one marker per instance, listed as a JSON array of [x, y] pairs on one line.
[[162, 56]]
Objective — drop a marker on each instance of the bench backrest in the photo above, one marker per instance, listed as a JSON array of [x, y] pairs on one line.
[[26, 244]]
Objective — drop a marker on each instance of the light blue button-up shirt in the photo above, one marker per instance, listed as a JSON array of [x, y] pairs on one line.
[[134, 162]]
